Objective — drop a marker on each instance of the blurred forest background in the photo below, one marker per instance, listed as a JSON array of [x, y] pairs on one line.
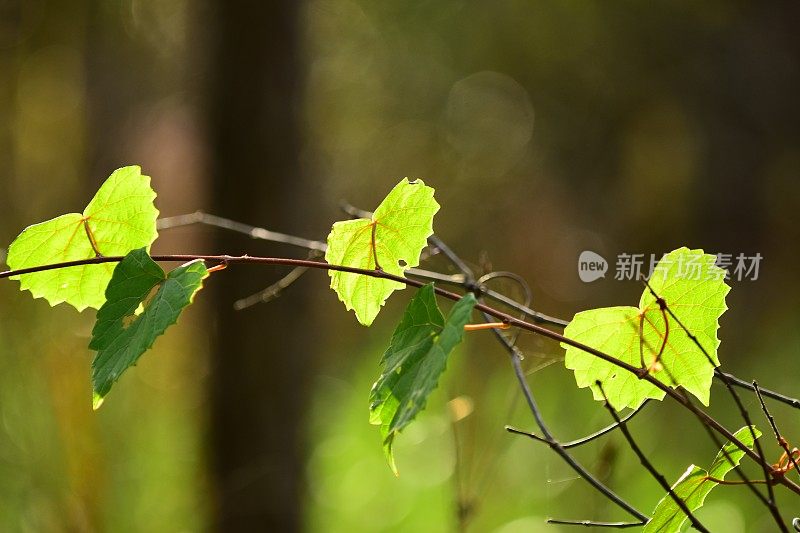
[[547, 128]]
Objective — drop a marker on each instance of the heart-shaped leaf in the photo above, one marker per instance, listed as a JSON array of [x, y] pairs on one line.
[[394, 237], [645, 336], [120, 218]]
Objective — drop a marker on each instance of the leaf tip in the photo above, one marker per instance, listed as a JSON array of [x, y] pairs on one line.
[[365, 319], [389, 452], [97, 401]]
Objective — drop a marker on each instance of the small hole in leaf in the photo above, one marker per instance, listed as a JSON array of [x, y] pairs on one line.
[[402, 263]]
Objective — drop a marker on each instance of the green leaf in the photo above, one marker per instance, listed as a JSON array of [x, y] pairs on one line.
[[416, 357], [694, 485], [120, 218], [141, 304], [694, 289], [396, 234]]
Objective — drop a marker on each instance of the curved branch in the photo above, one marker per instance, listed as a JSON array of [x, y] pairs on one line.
[[788, 400], [588, 438], [592, 523], [659, 477], [505, 317], [551, 441]]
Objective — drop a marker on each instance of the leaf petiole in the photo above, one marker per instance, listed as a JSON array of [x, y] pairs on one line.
[[487, 325]]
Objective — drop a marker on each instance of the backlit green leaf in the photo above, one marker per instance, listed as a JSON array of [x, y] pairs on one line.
[[694, 485], [396, 235], [142, 302], [694, 289], [416, 357], [120, 218]]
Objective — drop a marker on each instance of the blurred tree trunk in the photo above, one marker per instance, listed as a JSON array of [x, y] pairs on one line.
[[260, 355], [10, 33], [115, 89]]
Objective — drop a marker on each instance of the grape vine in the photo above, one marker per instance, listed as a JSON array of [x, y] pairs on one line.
[[667, 346]]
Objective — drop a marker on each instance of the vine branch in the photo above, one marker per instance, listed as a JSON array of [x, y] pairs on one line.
[[255, 232], [658, 476], [588, 438], [505, 317]]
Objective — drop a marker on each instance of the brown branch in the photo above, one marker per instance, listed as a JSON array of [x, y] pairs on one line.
[[505, 317], [781, 440], [255, 232], [658, 476], [583, 440]]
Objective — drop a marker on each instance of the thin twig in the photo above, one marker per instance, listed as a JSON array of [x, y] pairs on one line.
[[255, 232], [199, 217], [588, 438], [277, 288], [739, 382], [658, 476], [536, 316], [781, 440], [460, 265], [271, 292], [516, 278], [592, 523], [551, 441]]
